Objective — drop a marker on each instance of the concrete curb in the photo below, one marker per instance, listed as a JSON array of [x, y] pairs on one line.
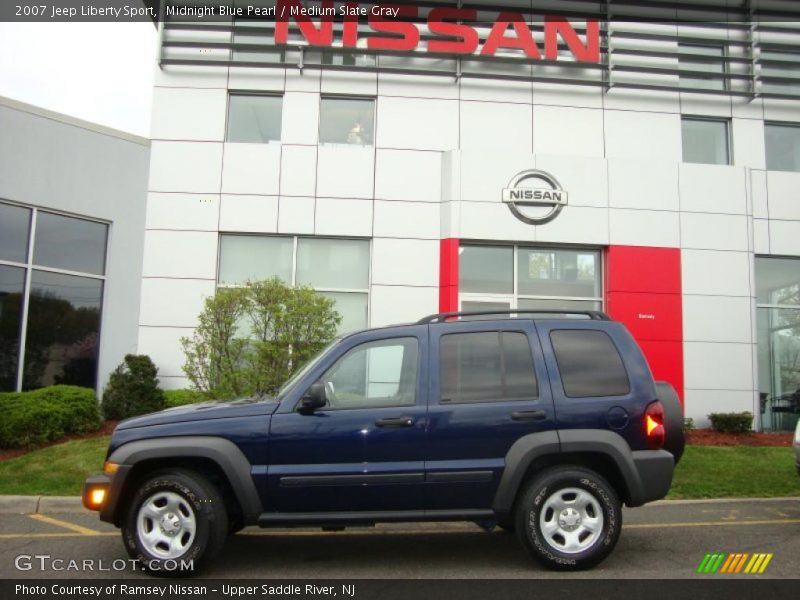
[[40, 504]]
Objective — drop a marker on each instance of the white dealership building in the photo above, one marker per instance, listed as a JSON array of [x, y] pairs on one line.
[[384, 169]]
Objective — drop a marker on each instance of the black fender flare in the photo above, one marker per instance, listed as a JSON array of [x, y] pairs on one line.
[[531, 447], [224, 453]]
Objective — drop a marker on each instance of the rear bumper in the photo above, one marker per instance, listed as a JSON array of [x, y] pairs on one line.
[[654, 470]]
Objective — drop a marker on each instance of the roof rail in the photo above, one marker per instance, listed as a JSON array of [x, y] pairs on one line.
[[595, 315]]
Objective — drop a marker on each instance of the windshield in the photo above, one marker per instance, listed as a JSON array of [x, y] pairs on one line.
[[286, 387]]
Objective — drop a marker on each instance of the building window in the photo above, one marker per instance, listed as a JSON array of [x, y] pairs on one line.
[[705, 141], [778, 327], [249, 39], [778, 69], [782, 141], [254, 118], [52, 274], [507, 277], [708, 61], [347, 121], [335, 268]]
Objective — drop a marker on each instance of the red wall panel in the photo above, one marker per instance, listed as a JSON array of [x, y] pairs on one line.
[[643, 291], [448, 274]]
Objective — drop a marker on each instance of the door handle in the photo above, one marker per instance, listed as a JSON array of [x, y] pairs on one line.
[[529, 415], [395, 422]]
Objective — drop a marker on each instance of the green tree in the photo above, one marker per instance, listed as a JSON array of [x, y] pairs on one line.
[[251, 339], [132, 389]]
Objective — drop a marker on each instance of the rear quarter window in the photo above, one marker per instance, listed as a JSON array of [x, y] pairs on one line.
[[589, 363]]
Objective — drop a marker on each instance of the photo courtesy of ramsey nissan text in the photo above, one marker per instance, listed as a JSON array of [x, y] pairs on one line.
[[414, 298]]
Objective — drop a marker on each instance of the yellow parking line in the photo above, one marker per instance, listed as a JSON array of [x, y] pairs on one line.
[[65, 524], [709, 524]]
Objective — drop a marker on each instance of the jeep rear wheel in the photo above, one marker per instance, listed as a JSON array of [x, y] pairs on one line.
[[569, 518], [175, 523]]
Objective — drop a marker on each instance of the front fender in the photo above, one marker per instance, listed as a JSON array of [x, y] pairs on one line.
[[222, 452]]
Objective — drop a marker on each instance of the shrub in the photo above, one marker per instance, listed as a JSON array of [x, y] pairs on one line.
[[688, 425], [173, 398], [34, 418], [731, 422], [251, 339], [132, 389]]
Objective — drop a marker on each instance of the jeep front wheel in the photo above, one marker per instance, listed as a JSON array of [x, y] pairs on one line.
[[569, 518], [175, 523]]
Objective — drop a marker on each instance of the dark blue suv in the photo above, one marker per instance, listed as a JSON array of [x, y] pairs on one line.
[[539, 423]]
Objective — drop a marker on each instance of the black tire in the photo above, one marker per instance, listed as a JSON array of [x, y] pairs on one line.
[[201, 501], [674, 441], [534, 501]]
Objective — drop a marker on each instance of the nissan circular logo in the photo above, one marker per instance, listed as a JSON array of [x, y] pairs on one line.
[[532, 202]]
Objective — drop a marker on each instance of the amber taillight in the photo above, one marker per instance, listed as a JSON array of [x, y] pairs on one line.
[[654, 425]]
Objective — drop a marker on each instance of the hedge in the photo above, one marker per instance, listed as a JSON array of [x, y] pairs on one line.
[[731, 422], [175, 398], [30, 419]]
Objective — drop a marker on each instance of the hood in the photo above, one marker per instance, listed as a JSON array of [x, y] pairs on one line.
[[248, 407]]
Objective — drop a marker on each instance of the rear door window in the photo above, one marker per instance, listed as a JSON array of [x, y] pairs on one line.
[[589, 363], [486, 366]]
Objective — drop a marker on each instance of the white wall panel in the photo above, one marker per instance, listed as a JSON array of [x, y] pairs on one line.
[[701, 403], [191, 254], [713, 272], [486, 125], [336, 216], [643, 135], [182, 211], [256, 214], [657, 228], [408, 175], [257, 79], [298, 170], [303, 81], [345, 171], [185, 167], [714, 231], [710, 366], [485, 174], [417, 124], [163, 346], [585, 179], [716, 319], [173, 302], [392, 304], [587, 224], [556, 94], [407, 219], [300, 118], [784, 237], [405, 262], [713, 188], [361, 84], [640, 184], [417, 86], [706, 105], [568, 131], [188, 114], [784, 195], [496, 91], [296, 214], [748, 143], [490, 221], [758, 187], [251, 169], [761, 236]]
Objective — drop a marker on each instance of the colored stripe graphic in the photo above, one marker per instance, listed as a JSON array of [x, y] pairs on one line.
[[735, 563]]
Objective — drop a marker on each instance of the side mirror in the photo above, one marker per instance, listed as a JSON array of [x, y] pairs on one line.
[[313, 399]]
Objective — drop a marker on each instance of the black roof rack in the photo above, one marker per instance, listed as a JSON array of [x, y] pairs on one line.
[[595, 315]]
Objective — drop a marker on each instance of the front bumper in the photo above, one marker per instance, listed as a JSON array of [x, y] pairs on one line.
[[113, 486]]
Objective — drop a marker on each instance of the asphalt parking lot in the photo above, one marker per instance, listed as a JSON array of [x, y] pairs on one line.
[[662, 540]]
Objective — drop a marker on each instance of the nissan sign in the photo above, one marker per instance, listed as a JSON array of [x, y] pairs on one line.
[[531, 202]]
